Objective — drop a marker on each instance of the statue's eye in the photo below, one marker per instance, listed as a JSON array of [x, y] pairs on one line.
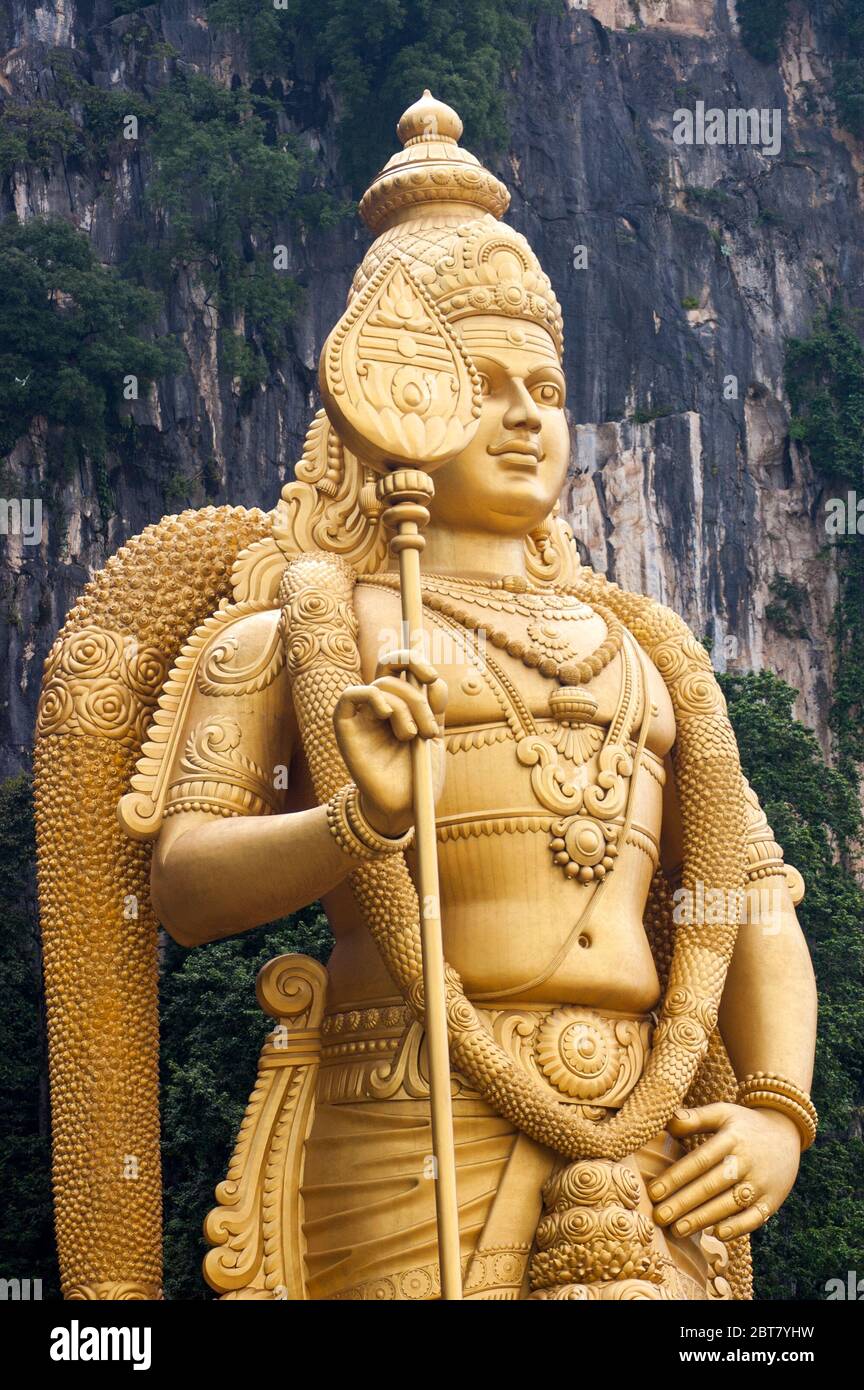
[[485, 384], [547, 393]]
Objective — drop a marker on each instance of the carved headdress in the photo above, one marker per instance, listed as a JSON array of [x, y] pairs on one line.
[[435, 211], [439, 208]]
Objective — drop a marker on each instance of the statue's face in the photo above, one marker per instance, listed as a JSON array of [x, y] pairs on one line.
[[512, 473]]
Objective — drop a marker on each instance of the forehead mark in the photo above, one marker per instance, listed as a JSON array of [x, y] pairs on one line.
[[498, 345]]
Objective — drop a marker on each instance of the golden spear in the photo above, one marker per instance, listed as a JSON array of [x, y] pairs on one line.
[[402, 393]]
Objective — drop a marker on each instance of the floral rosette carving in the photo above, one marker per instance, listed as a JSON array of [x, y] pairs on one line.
[[460, 1015], [680, 1001], [670, 659], [696, 693], [578, 1052], [100, 684], [106, 708], [591, 1231], [685, 666], [687, 1021], [685, 1033], [341, 648], [319, 626], [145, 671], [92, 652], [55, 707], [115, 1291], [586, 1183], [576, 1227], [301, 649]]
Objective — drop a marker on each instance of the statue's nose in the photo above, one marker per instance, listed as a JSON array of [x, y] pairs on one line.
[[522, 411]]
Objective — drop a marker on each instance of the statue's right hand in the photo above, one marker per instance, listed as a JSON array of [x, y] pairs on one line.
[[375, 726]]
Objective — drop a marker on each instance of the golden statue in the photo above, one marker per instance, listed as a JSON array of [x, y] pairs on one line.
[[511, 746]]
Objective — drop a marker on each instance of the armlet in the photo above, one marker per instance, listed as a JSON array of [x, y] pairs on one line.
[[210, 774], [764, 855]]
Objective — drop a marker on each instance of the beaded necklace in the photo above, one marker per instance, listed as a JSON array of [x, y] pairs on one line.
[[535, 657]]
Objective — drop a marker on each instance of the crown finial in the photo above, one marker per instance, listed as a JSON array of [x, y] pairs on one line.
[[431, 173], [429, 119]]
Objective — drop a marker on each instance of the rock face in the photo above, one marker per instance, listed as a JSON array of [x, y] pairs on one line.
[[677, 303]]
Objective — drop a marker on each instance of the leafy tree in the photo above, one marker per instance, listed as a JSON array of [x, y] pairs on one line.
[[381, 55], [761, 24], [825, 382], [26, 1230], [846, 25], [223, 179], [35, 134], [217, 182], [69, 330], [814, 811], [212, 1031]]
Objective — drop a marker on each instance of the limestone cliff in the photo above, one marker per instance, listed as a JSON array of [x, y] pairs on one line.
[[681, 268]]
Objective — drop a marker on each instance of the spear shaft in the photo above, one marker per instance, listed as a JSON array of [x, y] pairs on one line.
[[405, 494]]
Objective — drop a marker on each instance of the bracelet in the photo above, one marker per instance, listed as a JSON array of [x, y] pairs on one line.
[[352, 831], [765, 1090]]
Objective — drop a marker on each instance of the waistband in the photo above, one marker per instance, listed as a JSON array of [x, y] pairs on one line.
[[580, 1056]]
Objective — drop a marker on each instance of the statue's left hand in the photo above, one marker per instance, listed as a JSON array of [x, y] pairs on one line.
[[736, 1179]]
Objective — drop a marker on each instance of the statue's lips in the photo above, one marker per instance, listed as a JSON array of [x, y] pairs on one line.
[[517, 455]]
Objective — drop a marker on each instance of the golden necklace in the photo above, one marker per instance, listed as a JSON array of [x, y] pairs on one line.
[[512, 594], [536, 656]]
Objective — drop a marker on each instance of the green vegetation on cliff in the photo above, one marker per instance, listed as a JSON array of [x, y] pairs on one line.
[[763, 24], [825, 383], [381, 54], [71, 335], [221, 181], [27, 1225]]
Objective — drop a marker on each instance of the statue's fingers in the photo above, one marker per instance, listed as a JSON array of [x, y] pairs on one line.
[[404, 659], [692, 1166], [357, 698], [720, 1178], [403, 719], [701, 1118], [437, 694], [735, 1199], [747, 1221], [397, 691]]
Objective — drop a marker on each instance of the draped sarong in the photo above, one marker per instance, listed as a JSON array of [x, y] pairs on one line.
[[369, 1201]]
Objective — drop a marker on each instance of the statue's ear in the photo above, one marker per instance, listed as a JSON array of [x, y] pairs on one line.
[[397, 384]]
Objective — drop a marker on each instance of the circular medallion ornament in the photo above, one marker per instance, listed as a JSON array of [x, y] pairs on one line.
[[578, 1052]]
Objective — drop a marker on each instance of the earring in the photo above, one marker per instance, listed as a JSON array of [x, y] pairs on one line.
[[370, 506]]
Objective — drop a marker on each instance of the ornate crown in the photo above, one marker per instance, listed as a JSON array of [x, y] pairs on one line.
[[436, 204]]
